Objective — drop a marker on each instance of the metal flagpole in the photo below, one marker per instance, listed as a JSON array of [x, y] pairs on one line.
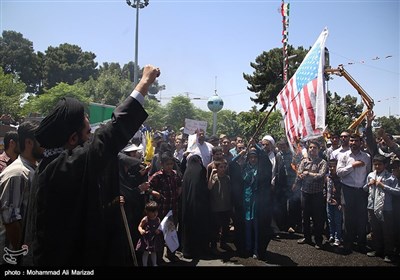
[[285, 23], [285, 33]]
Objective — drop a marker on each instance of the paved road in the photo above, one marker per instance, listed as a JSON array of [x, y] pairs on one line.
[[286, 252]]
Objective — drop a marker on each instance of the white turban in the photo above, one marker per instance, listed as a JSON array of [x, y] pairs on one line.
[[269, 139]]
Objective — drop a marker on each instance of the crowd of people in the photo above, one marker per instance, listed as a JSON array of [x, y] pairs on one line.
[[72, 197]]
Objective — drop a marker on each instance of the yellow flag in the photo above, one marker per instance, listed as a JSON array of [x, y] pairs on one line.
[[149, 147]]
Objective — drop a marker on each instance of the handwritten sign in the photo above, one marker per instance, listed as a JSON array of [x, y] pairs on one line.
[[192, 125], [167, 226]]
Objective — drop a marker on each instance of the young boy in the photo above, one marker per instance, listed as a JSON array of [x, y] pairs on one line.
[[221, 204], [167, 184], [334, 204], [381, 184]]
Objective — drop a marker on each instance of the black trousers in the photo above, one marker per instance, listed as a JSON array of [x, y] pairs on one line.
[[313, 207], [382, 232], [355, 216]]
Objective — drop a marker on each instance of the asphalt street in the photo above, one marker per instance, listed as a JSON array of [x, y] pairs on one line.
[[285, 252]]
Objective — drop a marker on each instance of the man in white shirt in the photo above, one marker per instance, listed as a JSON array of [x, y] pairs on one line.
[[352, 168], [203, 148]]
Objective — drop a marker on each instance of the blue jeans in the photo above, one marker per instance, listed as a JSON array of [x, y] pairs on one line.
[[335, 218]]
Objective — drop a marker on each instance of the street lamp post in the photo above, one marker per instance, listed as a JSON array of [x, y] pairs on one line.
[[137, 4]]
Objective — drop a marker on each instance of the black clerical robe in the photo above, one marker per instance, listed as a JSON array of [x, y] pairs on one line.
[[74, 217]]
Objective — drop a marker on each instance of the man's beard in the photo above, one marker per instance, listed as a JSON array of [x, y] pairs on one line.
[[37, 154]]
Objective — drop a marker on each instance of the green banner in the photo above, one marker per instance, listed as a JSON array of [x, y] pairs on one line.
[[99, 113]]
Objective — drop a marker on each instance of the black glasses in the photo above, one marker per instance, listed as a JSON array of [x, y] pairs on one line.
[[344, 136]]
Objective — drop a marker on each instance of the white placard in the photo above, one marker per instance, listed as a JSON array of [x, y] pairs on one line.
[[167, 226], [192, 125]]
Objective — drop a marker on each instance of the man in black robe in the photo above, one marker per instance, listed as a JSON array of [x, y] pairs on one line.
[[74, 216]]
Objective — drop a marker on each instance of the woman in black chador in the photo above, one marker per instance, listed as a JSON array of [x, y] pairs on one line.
[[195, 209], [263, 202]]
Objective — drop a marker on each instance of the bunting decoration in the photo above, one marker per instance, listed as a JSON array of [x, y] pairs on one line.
[[364, 61], [285, 34]]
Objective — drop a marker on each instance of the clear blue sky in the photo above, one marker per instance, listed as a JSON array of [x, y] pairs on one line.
[[195, 41]]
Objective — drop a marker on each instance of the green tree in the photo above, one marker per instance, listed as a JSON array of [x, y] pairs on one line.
[[341, 112], [18, 57], [44, 103], [11, 92], [128, 71], [267, 80], [68, 64], [110, 87], [113, 84], [179, 108], [274, 126], [227, 123], [157, 114], [390, 124], [249, 121]]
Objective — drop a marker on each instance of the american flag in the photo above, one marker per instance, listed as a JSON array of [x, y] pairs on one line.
[[303, 99]]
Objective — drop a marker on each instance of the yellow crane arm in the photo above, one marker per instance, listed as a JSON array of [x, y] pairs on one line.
[[368, 101]]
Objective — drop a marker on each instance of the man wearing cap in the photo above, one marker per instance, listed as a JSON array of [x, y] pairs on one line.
[[74, 205]]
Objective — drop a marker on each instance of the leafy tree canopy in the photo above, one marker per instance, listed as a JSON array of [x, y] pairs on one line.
[[267, 80], [341, 112], [11, 92], [227, 123], [18, 57], [68, 64], [43, 104], [109, 88], [179, 108], [157, 113], [391, 124]]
